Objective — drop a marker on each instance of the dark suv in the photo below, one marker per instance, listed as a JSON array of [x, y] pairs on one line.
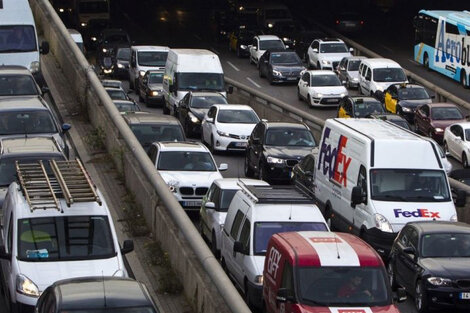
[[274, 148]]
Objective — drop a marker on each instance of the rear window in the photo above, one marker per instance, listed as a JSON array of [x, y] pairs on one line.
[[17, 85]]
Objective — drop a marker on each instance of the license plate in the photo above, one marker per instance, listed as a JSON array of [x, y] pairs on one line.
[[349, 25], [331, 100], [192, 203], [240, 144], [465, 295], [291, 78]]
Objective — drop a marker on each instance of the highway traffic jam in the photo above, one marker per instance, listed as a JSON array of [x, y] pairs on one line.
[[359, 219]]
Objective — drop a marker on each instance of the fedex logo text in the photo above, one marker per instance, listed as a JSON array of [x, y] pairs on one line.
[[417, 213], [333, 160]]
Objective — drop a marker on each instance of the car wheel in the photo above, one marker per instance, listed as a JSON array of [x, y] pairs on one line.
[[329, 217], [464, 160], [214, 247], [309, 100], [248, 170], [464, 80], [421, 304], [212, 146], [391, 276], [426, 61], [318, 66], [299, 96]]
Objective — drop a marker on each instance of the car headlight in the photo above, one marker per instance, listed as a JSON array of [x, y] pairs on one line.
[[325, 62], [34, 67], [223, 134], [382, 223], [453, 218], [355, 79], [408, 110], [83, 24], [25, 286], [285, 39], [153, 93], [277, 73], [141, 73], [270, 25], [438, 130], [274, 160], [193, 118], [93, 38], [119, 65], [243, 47], [259, 279], [439, 281], [172, 185], [317, 95], [104, 50]]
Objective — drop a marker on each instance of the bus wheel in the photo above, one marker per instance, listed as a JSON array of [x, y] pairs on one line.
[[426, 61], [463, 79]]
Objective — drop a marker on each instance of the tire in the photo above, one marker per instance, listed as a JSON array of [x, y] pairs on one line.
[[248, 170], [464, 80], [464, 160], [391, 276], [212, 146], [261, 171], [140, 98], [299, 96], [214, 247], [420, 302], [318, 66], [251, 60], [426, 61]]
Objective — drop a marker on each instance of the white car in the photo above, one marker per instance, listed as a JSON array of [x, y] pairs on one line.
[[215, 205], [228, 126], [188, 168], [327, 53], [320, 88], [261, 43], [457, 142]]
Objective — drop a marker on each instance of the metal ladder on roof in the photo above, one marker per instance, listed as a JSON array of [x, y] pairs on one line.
[[37, 187], [74, 181]]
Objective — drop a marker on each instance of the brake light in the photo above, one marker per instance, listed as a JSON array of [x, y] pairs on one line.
[[362, 22], [337, 21]]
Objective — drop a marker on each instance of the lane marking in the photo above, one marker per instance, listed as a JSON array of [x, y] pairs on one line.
[[387, 48], [233, 66], [215, 51], [253, 82]]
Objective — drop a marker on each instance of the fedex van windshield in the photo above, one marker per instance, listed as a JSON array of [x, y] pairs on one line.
[[409, 185], [17, 38], [343, 286]]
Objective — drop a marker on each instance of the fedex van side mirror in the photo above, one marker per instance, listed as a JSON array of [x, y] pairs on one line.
[[44, 47], [283, 296], [3, 254], [400, 295], [357, 196]]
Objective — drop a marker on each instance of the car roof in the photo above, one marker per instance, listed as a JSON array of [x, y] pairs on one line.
[[442, 104], [284, 125], [388, 116], [232, 107], [151, 48], [355, 57], [182, 146], [314, 248], [150, 118], [24, 145], [268, 37], [101, 292], [330, 40], [22, 102], [233, 183], [380, 62], [205, 93], [120, 101], [321, 72], [14, 69], [441, 227]]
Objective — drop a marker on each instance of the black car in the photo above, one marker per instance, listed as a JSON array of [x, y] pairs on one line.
[[392, 118], [240, 39], [274, 148], [150, 89], [121, 62], [303, 39], [96, 294], [280, 66], [431, 260], [303, 173], [359, 106], [287, 31], [194, 106], [110, 39]]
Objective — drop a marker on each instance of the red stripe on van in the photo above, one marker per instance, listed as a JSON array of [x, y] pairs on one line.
[[306, 254], [366, 254]]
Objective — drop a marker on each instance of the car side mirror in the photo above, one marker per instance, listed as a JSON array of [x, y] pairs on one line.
[[66, 127], [44, 49], [357, 196], [461, 198], [238, 247], [400, 295], [45, 89], [210, 205], [3, 254], [230, 90], [351, 50], [315, 50], [255, 141], [210, 120], [283, 296], [127, 246], [223, 167]]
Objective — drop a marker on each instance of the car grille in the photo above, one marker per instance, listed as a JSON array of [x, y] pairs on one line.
[[329, 100], [187, 190], [243, 137], [200, 191], [291, 74], [463, 283], [291, 162]]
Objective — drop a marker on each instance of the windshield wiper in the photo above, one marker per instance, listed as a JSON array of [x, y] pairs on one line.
[[15, 50], [390, 197]]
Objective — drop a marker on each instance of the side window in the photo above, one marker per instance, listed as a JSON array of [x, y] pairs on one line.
[[255, 42], [210, 193], [10, 234], [288, 279], [362, 181], [245, 236], [305, 77], [368, 74], [236, 224], [343, 63], [211, 112], [153, 151], [404, 236], [413, 239], [460, 132], [425, 110], [256, 132], [215, 197]]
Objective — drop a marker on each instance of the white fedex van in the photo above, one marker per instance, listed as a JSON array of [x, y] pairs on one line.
[[190, 70], [372, 177], [18, 37]]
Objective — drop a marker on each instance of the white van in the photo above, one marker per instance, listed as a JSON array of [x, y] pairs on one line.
[[377, 74], [143, 59], [372, 177], [190, 70], [77, 38], [55, 226], [254, 215], [18, 37]]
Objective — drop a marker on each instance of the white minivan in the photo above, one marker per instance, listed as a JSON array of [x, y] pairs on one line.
[[377, 74], [143, 59], [254, 215], [18, 37], [372, 177]]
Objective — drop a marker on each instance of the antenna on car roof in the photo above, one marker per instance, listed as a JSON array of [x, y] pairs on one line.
[[104, 289], [337, 248], [290, 213]]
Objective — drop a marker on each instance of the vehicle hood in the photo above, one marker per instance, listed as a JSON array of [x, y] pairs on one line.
[[328, 90], [321, 309], [19, 58], [44, 274], [454, 268], [399, 213], [288, 68], [123, 62], [444, 123], [236, 129], [188, 178], [155, 86], [333, 57], [413, 103], [287, 152], [199, 113]]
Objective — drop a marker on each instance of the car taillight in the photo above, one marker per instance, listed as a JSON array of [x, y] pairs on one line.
[[362, 22], [337, 21]]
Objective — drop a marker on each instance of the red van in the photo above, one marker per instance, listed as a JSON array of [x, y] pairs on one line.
[[325, 272]]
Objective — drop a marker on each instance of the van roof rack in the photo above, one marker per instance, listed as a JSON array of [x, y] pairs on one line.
[[275, 194], [69, 180]]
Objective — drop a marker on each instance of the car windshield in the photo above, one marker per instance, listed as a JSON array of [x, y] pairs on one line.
[[353, 65], [368, 107], [271, 44], [26, 122], [8, 165], [143, 309], [225, 199], [389, 74], [116, 94], [290, 137], [446, 113], [205, 102], [125, 106], [63, 238], [416, 93], [237, 117], [17, 85], [93, 6], [146, 134], [152, 58], [17, 38], [343, 286], [264, 231], [124, 54], [155, 78], [409, 185], [324, 80], [333, 48], [185, 161], [445, 245], [200, 81], [290, 58]]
